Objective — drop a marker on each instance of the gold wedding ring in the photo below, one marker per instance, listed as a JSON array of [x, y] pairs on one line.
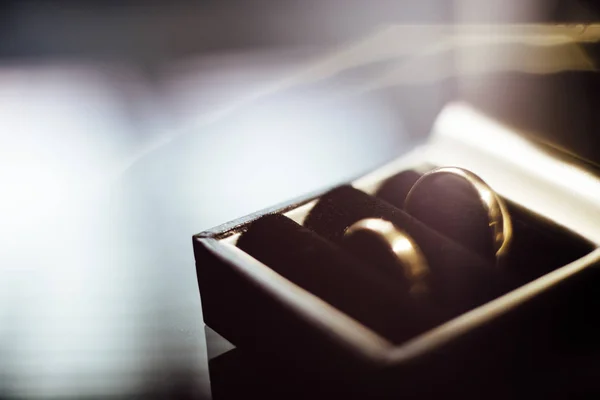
[[498, 216], [406, 252]]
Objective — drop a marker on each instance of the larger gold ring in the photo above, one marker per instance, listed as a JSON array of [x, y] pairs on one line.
[[498, 216], [407, 253]]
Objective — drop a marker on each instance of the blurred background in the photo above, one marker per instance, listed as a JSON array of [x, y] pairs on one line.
[[127, 127]]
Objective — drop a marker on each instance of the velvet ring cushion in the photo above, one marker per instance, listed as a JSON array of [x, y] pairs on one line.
[[459, 204], [325, 270], [460, 279]]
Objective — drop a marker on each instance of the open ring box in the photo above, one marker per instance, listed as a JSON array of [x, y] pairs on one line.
[[538, 338]]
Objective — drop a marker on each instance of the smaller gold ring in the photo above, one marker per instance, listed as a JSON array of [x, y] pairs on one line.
[[498, 216], [407, 253]]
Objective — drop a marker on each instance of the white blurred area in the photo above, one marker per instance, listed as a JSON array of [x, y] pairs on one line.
[[106, 174], [67, 318]]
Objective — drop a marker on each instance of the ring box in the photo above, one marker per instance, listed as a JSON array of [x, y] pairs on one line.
[[523, 333], [538, 339]]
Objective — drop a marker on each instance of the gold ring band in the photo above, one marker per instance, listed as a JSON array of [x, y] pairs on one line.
[[407, 253], [498, 216]]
